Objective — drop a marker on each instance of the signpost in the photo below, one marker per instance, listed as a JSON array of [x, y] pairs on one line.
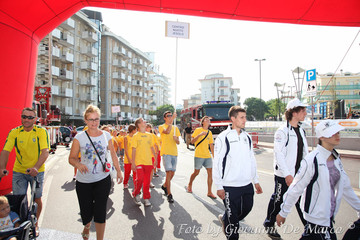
[[115, 109], [177, 30], [311, 92]]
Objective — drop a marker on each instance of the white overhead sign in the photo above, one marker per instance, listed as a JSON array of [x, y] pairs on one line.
[[311, 82], [115, 109], [177, 29]]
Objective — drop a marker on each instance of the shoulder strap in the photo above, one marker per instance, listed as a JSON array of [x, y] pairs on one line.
[[202, 139], [103, 164]]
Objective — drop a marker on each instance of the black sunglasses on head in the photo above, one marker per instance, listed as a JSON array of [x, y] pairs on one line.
[[27, 117]]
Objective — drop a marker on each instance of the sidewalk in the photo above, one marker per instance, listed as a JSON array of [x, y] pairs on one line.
[[344, 153]]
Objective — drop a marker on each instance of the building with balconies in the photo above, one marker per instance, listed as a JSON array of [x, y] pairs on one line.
[[124, 80], [68, 62], [337, 94], [216, 87]]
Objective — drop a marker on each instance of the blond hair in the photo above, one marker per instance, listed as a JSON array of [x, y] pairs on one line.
[[91, 109], [3, 200]]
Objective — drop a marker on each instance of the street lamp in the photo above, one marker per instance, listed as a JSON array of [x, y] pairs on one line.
[[298, 79], [260, 60], [277, 85]]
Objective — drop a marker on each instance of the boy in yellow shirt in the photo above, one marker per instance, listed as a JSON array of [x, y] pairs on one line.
[[142, 151], [203, 138], [169, 139]]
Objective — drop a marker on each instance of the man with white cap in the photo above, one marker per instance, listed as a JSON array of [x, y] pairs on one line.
[[322, 182], [290, 146]]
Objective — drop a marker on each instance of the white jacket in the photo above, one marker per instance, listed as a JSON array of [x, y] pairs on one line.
[[312, 182], [285, 150], [234, 162]]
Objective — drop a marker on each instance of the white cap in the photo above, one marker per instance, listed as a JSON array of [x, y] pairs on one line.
[[295, 103], [327, 128]]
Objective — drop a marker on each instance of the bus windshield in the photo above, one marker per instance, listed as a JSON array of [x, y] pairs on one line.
[[217, 113]]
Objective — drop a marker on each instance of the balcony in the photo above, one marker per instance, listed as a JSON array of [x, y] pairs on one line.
[[114, 88], [115, 101], [68, 24], [223, 86], [120, 51], [89, 66], [55, 52], [122, 89], [67, 92], [122, 76], [68, 110], [122, 114], [87, 82], [137, 94], [137, 61], [66, 74], [56, 33], [137, 83], [122, 102], [43, 50], [137, 105], [55, 90], [55, 71], [68, 57], [128, 103], [339, 87], [89, 51], [129, 78], [129, 90], [129, 66], [116, 75], [66, 39], [137, 72], [339, 97], [90, 36]]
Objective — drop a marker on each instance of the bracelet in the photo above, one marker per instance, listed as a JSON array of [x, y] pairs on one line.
[[36, 169]]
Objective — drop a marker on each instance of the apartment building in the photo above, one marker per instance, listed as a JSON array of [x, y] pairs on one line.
[[337, 93], [124, 79], [216, 87], [68, 63]]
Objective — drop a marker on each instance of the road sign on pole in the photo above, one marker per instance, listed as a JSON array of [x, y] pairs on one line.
[[311, 82]]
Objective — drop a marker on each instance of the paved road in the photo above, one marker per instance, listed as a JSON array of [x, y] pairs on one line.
[[192, 216]]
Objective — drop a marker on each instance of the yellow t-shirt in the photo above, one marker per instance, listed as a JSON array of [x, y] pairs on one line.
[[120, 140], [129, 148], [142, 142], [168, 144], [28, 146], [202, 151]]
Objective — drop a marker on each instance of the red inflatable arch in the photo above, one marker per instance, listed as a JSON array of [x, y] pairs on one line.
[[24, 23]]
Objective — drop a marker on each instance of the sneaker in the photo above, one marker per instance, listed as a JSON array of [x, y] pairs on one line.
[[170, 198], [165, 190], [137, 200], [272, 232], [152, 185], [126, 186], [220, 217], [147, 203]]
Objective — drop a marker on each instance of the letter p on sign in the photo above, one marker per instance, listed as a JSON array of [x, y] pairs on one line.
[[311, 75]]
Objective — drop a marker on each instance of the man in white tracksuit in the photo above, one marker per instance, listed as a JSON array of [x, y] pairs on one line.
[[322, 182], [234, 172], [290, 146]]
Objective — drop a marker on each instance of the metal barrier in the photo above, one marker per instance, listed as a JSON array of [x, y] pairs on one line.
[[255, 139]]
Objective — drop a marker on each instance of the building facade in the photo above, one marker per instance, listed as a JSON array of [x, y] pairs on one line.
[[216, 87], [68, 63], [124, 80], [337, 94]]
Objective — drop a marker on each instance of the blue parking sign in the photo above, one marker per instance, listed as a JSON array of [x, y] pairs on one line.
[[311, 75]]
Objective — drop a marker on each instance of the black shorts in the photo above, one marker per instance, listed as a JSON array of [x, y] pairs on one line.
[[92, 199]]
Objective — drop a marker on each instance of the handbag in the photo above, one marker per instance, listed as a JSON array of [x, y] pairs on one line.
[[108, 166]]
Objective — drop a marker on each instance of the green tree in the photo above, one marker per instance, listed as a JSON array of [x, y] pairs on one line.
[[159, 113], [255, 109], [273, 109]]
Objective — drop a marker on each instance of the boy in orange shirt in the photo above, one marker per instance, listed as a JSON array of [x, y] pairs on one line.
[[142, 151]]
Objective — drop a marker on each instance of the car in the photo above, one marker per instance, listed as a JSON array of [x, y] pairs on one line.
[[65, 135], [80, 129]]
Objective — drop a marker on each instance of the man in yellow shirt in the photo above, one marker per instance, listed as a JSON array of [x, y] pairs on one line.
[[32, 149], [169, 138], [142, 150], [203, 138]]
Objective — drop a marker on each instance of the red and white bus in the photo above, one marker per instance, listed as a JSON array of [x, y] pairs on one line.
[[216, 110]]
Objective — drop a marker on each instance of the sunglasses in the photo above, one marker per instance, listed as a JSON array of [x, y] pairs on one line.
[[168, 116], [27, 117]]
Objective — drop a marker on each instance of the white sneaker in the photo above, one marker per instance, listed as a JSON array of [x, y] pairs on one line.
[[147, 203], [152, 185], [137, 200]]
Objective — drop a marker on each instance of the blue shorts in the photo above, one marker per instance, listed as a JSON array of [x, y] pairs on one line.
[[169, 162], [199, 162], [21, 181]]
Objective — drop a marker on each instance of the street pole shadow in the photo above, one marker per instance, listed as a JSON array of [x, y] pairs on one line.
[[148, 227], [68, 186], [184, 226], [109, 208]]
